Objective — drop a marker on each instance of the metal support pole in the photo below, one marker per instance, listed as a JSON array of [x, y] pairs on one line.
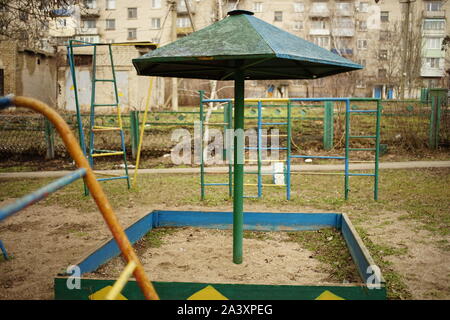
[[259, 148], [288, 153], [49, 139], [202, 165], [134, 129], [230, 163], [377, 150], [328, 125], [347, 143], [238, 192]]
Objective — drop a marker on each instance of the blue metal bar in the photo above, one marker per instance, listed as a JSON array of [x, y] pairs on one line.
[[362, 174], [216, 184], [112, 178], [318, 157], [5, 102], [40, 194], [3, 249], [274, 123]]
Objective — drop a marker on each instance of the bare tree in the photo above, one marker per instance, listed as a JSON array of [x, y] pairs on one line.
[[27, 20]]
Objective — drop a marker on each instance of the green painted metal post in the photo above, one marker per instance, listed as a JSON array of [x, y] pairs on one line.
[[347, 144], [288, 152], [134, 130], [202, 165], [328, 125], [238, 191], [437, 97], [49, 139], [377, 150], [230, 163]]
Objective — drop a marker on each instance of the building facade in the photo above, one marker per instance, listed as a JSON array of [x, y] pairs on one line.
[[399, 42]]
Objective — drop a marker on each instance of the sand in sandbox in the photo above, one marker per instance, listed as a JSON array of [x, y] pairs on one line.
[[205, 255]]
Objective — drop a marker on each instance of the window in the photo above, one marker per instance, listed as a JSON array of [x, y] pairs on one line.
[[322, 41], [298, 25], [382, 73], [132, 13], [384, 16], [433, 63], [88, 24], [299, 7], [110, 4], [344, 23], [433, 5], [434, 24], [132, 33], [318, 24], [383, 54], [384, 35], [183, 22], [156, 23], [90, 4], [156, 4], [278, 16], [343, 6], [61, 23], [360, 84], [258, 7], [433, 43], [91, 39], [110, 24], [319, 7], [362, 25], [363, 7], [362, 44]]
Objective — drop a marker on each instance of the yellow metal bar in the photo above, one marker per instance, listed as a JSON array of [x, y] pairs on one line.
[[141, 135], [265, 185], [95, 189], [120, 283], [96, 129], [106, 154]]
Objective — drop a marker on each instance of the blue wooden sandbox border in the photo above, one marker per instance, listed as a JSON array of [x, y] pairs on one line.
[[258, 221]]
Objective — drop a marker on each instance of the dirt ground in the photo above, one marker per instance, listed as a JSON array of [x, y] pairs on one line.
[[205, 255], [44, 240]]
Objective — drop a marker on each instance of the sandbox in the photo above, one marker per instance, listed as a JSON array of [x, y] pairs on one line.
[[243, 283]]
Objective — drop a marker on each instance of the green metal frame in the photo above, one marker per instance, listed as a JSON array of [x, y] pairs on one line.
[[92, 152]]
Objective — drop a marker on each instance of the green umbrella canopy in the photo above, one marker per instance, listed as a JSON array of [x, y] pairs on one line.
[[245, 42]]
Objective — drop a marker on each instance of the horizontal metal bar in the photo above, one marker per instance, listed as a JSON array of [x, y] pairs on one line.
[[363, 111], [170, 123], [112, 178], [107, 154], [40, 194], [104, 80], [362, 174], [216, 184], [265, 185], [363, 137], [318, 157], [256, 148], [274, 123], [106, 104], [361, 149]]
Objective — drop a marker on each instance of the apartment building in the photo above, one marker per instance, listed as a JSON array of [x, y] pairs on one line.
[[398, 41]]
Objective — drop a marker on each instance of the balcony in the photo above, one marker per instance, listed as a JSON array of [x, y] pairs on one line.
[[86, 31], [319, 32], [431, 72], [343, 52], [433, 14], [90, 12], [184, 30], [343, 32], [344, 13], [319, 13]]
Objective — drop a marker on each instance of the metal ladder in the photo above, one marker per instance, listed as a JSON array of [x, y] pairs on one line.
[[93, 128], [259, 149]]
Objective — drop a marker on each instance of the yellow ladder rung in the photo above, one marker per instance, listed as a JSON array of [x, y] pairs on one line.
[[98, 128], [107, 154], [120, 283], [265, 185]]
